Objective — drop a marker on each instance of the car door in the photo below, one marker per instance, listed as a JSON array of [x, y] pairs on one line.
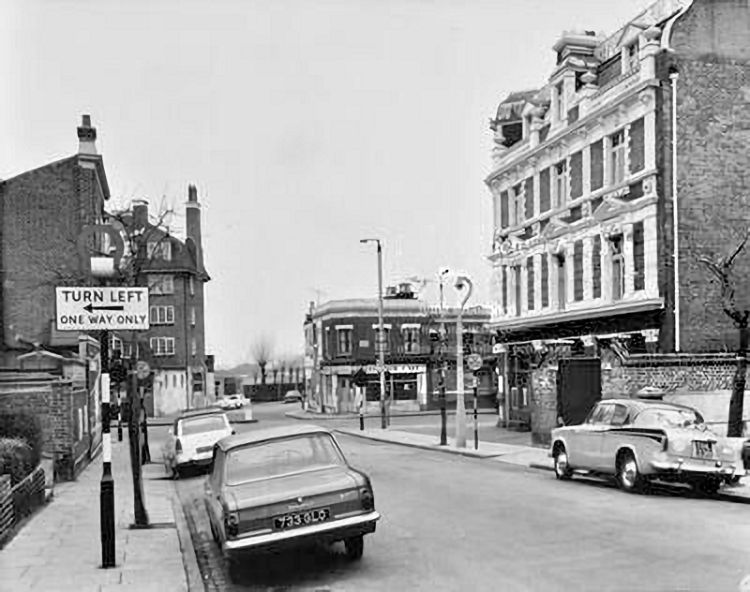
[[612, 438], [584, 450], [213, 489]]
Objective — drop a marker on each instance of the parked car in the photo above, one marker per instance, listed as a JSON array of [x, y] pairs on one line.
[[292, 397], [235, 401], [287, 486], [638, 440], [190, 441]]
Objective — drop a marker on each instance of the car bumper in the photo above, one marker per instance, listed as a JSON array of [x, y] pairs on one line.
[[689, 468], [197, 460], [328, 531]]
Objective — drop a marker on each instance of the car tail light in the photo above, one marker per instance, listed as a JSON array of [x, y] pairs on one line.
[[368, 499], [231, 523], [178, 446], [665, 443]]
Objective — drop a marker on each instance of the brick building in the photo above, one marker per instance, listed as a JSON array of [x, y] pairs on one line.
[[175, 273], [584, 188], [42, 212], [340, 340]]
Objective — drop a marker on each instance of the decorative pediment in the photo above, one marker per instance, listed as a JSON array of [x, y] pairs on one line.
[[630, 33], [506, 246], [610, 208], [554, 229]]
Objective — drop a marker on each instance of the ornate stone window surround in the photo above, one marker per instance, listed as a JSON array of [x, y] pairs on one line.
[[643, 92]]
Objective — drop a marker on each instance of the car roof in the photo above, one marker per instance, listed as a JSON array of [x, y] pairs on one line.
[[198, 412], [641, 404], [256, 436]]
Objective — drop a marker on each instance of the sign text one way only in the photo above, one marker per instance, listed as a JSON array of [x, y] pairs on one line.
[[91, 309]]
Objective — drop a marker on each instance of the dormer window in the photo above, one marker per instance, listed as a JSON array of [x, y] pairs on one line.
[[512, 133]]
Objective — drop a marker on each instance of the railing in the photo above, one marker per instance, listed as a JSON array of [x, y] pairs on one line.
[[19, 501]]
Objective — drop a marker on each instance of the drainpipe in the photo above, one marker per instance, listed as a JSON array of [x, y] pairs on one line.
[[673, 76]]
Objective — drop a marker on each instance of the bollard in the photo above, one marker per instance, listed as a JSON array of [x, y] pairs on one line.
[[443, 416], [361, 418], [476, 419], [107, 484]]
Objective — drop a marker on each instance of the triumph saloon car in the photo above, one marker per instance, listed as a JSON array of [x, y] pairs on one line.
[[190, 441], [273, 489], [637, 440]]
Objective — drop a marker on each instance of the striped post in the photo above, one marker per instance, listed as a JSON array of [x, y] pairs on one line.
[[107, 485]]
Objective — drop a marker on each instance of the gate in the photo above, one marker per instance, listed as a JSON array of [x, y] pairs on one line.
[[579, 387]]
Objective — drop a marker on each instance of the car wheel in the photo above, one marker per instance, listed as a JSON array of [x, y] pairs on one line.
[[562, 469], [355, 547], [628, 475]]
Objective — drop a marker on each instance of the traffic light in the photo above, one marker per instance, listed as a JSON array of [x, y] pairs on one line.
[[434, 335], [117, 372]]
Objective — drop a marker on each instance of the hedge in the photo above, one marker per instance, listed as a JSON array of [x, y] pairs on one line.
[[23, 426], [16, 459]]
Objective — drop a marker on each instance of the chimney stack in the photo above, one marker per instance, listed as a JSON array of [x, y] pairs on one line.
[[193, 223], [140, 214], [86, 137]]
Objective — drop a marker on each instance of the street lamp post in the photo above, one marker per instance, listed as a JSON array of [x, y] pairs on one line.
[[441, 362], [461, 283], [380, 342]]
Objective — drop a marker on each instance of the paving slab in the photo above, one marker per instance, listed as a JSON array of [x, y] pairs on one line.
[[59, 548]]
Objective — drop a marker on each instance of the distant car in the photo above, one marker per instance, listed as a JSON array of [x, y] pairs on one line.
[[638, 440], [283, 487], [292, 397], [236, 401], [191, 439]]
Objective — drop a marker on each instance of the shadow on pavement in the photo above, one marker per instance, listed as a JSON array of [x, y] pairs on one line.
[[653, 489]]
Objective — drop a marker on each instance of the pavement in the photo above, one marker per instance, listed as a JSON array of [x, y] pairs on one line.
[[59, 547]]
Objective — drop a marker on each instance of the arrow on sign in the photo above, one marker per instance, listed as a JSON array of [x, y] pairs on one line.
[[92, 308]]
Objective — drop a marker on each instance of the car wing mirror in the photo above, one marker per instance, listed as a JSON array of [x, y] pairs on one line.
[[560, 421]]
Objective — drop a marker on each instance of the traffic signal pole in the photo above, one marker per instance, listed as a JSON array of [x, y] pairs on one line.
[[107, 483]]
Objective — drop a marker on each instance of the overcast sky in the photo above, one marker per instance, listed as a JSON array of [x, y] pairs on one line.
[[306, 125]]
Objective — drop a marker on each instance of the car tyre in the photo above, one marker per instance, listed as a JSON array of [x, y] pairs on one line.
[[629, 477], [562, 468], [355, 547]]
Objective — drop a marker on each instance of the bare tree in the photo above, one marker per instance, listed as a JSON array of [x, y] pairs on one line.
[[262, 350], [723, 270]]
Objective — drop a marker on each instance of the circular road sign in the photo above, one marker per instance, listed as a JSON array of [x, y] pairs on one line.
[[142, 370], [474, 361]]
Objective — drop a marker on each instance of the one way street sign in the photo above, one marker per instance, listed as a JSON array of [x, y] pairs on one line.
[[91, 309]]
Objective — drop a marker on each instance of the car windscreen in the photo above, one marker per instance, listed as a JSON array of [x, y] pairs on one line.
[[662, 417], [281, 457], [207, 423]]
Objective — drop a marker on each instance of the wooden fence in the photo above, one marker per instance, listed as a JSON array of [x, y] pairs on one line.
[[19, 501]]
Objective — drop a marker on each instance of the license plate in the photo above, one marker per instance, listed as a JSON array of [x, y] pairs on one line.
[[203, 449], [702, 449], [296, 519]]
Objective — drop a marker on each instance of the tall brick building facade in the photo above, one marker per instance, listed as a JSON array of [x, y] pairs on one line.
[[584, 186], [175, 273]]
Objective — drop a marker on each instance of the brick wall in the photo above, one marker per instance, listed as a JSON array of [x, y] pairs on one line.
[[713, 128], [56, 404], [42, 213]]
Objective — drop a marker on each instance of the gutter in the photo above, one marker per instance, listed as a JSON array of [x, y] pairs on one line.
[[673, 76]]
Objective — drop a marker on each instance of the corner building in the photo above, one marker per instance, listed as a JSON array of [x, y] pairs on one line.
[[584, 186]]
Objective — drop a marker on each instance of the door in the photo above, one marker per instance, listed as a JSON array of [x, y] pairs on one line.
[[612, 438], [585, 440], [579, 388]]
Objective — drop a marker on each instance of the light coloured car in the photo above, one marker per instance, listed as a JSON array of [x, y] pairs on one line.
[[292, 397], [639, 440], [235, 401], [283, 487], [191, 439]]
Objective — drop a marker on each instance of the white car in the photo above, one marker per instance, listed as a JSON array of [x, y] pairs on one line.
[[232, 402], [190, 441]]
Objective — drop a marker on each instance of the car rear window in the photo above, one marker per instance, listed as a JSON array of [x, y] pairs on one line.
[[281, 457], [668, 417], [207, 423]]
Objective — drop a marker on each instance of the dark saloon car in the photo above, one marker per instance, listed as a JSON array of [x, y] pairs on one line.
[[283, 487]]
